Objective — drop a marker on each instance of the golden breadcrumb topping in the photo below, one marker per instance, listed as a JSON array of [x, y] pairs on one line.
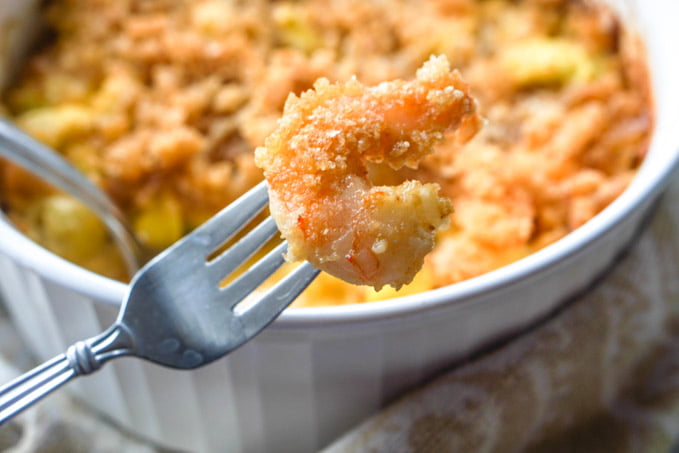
[[163, 102]]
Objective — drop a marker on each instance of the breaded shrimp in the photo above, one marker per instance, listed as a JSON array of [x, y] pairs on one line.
[[316, 165]]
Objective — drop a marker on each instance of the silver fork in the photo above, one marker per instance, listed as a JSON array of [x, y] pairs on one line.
[[29, 153], [176, 313]]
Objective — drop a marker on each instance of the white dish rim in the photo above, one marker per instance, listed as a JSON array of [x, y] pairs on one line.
[[112, 292]]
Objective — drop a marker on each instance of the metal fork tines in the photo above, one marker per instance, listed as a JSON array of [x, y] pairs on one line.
[[177, 312]]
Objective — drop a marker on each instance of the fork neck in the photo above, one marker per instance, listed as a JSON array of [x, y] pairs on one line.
[[88, 356]]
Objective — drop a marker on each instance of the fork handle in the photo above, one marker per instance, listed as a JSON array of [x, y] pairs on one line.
[[25, 390], [81, 358]]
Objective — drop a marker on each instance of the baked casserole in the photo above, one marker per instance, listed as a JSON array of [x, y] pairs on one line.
[[162, 103]]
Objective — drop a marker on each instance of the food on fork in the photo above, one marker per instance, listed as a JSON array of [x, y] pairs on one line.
[[320, 160]]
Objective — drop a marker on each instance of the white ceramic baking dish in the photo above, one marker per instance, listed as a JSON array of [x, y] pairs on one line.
[[316, 372]]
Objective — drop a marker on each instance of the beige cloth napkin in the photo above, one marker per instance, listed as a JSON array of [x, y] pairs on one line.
[[600, 376]]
